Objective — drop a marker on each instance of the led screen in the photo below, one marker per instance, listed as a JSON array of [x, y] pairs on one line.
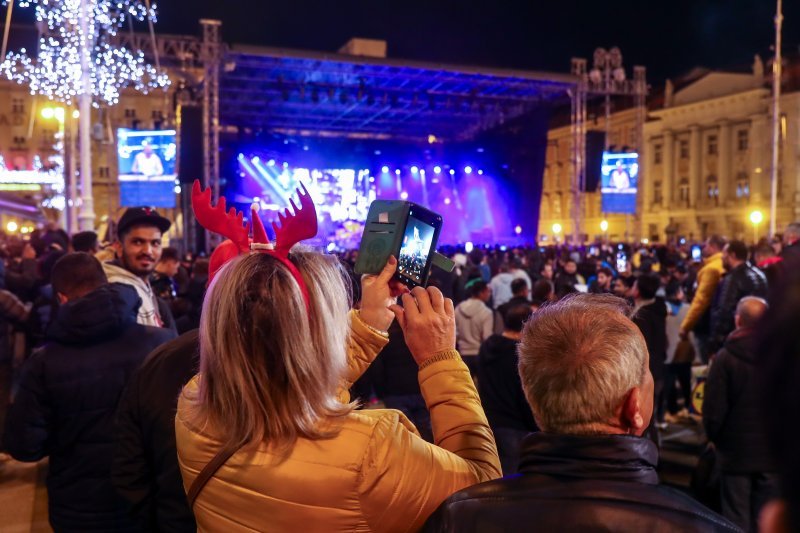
[[620, 177], [146, 163]]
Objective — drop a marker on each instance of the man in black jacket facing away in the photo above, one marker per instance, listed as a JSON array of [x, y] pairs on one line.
[[69, 391], [584, 370], [742, 279], [501, 390], [733, 421], [650, 315]]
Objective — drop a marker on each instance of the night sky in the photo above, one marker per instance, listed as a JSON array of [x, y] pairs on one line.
[[668, 37]]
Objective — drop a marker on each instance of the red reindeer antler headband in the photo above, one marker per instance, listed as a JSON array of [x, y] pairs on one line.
[[295, 227]]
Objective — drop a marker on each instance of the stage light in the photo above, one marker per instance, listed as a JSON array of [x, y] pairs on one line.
[[518, 230], [480, 172], [256, 159], [437, 169], [305, 148], [447, 201], [468, 247], [480, 150], [23, 230], [452, 172], [404, 195], [503, 248], [468, 170], [271, 163], [377, 152], [177, 189], [241, 156], [431, 139], [331, 247], [385, 169], [285, 164], [371, 179], [414, 169], [422, 171], [12, 227], [397, 171]]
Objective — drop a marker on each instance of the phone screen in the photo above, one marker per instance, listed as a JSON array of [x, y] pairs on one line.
[[697, 253], [416, 249], [622, 262]]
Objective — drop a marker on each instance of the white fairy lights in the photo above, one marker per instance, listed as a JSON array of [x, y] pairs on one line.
[[56, 71]]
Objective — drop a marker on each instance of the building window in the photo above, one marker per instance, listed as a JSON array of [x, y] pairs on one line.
[[130, 113], [742, 186], [105, 172], [657, 195], [17, 105], [712, 145], [742, 140], [683, 191], [712, 189], [684, 149], [657, 155]]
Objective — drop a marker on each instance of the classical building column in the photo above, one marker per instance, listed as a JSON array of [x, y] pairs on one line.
[[669, 193], [758, 140], [695, 164], [725, 180]]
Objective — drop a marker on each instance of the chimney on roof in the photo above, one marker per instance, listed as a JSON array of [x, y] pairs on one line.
[[364, 47]]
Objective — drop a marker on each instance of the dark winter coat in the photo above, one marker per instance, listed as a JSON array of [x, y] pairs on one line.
[[500, 387], [145, 470], [578, 483], [731, 412], [69, 390], [744, 280], [652, 322]]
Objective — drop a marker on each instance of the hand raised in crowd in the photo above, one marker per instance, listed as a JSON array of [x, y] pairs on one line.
[[28, 252], [428, 321], [378, 292]]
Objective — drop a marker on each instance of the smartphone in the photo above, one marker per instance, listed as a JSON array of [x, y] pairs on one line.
[[403, 229], [594, 251], [622, 262], [697, 253]]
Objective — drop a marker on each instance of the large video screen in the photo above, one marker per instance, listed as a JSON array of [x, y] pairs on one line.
[[619, 182], [146, 163]]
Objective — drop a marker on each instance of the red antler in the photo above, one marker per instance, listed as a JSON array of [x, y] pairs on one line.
[[298, 226], [229, 225]]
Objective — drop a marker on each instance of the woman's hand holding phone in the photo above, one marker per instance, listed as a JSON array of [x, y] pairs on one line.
[[428, 321], [378, 293]]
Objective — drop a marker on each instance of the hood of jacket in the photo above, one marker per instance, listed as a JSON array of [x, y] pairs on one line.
[[609, 457], [101, 314], [741, 344], [472, 307], [116, 273], [497, 347]]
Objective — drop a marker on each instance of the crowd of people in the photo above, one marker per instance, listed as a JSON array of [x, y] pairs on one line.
[[272, 388]]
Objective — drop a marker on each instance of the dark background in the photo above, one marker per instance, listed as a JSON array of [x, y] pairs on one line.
[[669, 38]]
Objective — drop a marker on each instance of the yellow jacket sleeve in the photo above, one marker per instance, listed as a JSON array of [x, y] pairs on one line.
[[402, 471], [363, 346], [707, 281]]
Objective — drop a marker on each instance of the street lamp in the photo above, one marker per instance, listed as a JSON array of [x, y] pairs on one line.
[[604, 229], [756, 217], [556, 230]]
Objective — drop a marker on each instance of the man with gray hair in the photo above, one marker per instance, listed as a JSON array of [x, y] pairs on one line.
[[584, 368], [791, 242], [733, 421]]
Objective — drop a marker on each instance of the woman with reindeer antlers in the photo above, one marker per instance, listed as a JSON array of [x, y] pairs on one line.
[[267, 437]]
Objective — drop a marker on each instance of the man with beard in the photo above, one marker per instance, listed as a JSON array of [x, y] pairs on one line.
[[137, 250]]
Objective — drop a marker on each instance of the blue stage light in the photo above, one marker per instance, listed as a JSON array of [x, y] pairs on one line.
[[385, 169], [468, 169], [480, 172], [468, 247], [271, 163], [437, 169], [256, 159], [404, 195], [452, 172], [414, 169], [241, 156], [447, 201], [371, 179], [397, 171]]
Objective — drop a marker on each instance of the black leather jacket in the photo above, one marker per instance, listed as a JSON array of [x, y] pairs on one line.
[[744, 280], [578, 483]]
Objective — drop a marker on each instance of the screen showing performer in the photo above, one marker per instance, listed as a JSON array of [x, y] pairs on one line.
[[417, 244], [146, 162], [620, 176]]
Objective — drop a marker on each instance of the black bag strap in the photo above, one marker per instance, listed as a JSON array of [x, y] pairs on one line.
[[207, 473]]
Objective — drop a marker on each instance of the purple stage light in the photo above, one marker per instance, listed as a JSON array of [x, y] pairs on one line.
[[452, 172], [271, 163], [385, 169], [414, 169], [397, 171], [468, 170], [404, 195], [480, 172], [437, 169]]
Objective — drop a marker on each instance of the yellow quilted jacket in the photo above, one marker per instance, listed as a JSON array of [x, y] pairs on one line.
[[708, 278], [376, 475]]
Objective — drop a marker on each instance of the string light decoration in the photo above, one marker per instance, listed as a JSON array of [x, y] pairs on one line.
[[56, 70]]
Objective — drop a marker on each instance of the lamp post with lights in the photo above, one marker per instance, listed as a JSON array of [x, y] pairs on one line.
[[756, 217], [604, 229]]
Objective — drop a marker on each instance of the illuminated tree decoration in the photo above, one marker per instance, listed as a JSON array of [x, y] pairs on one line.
[[56, 71]]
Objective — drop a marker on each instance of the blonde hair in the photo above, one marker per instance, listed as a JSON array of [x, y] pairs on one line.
[[270, 369], [578, 358]]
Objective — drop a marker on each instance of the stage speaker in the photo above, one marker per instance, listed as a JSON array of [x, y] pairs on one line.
[[190, 144], [595, 144]]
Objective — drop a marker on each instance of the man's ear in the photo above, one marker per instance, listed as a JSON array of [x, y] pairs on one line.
[[117, 247], [631, 416]]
